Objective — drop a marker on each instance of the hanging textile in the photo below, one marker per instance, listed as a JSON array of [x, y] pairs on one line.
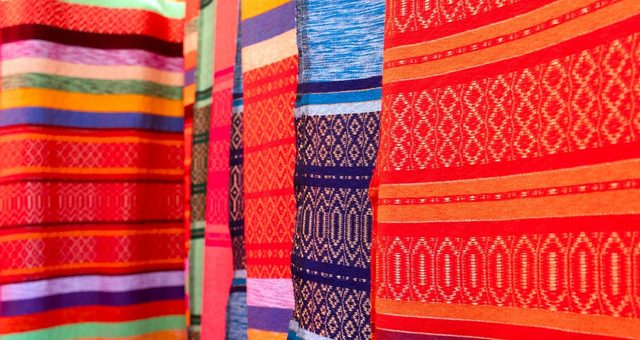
[[218, 257], [269, 67], [507, 191], [337, 112], [202, 75], [237, 310], [91, 219]]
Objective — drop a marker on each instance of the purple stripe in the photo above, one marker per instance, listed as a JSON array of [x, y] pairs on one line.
[[190, 76], [37, 305], [269, 319], [269, 24], [91, 56]]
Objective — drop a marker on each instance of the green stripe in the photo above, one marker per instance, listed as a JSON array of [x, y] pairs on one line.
[[97, 86], [169, 9], [197, 233], [103, 329], [207, 23], [199, 188]]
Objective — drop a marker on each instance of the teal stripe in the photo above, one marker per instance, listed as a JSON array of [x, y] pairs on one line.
[[339, 97], [103, 329], [169, 9]]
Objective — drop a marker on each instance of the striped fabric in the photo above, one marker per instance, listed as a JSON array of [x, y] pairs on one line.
[[237, 310], [202, 75], [507, 201], [91, 219], [218, 257], [337, 112], [269, 67]]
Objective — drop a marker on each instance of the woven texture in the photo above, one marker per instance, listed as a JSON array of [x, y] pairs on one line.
[[91, 219], [506, 191], [269, 69], [337, 113]]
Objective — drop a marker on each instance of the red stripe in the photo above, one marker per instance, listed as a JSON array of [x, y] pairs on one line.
[[559, 161], [90, 18], [475, 328], [98, 226], [580, 43], [269, 193], [77, 132], [90, 314], [515, 227], [466, 24]]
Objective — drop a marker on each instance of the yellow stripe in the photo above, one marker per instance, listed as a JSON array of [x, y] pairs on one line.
[[580, 26], [592, 204], [582, 323], [621, 170], [90, 233], [84, 139], [23, 271], [251, 9], [93, 171], [90, 102], [511, 25]]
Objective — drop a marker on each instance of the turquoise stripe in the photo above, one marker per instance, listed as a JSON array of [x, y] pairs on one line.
[[169, 9], [103, 329], [239, 282], [339, 97]]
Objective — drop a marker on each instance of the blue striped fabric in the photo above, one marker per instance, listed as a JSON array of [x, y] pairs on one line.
[[337, 118]]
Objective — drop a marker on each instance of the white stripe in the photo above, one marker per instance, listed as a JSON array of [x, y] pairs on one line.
[[338, 109], [93, 283], [269, 51], [240, 274], [303, 333], [276, 293]]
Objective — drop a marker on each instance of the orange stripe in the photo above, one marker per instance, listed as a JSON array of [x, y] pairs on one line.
[[189, 94], [162, 335], [90, 102], [592, 204], [254, 334], [583, 323], [599, 173], [85, 139], [580, 26], [94, 171], [191, 60], [91, 233], [515, 24], [32, 270]]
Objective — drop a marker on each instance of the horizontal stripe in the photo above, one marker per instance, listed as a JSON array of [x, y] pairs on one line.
[[167, 8], [69, 269], [269, 24], [558, 34], [250, 9], [474, 328], [65, 69], [333, 270], [330, 274], [76, 119], [89, 56], [90, 19], [269, 319], [26, 235], [488, 18], [339, 97], [60, 100], [577, 158], [32, 170], [104, 329], [92, 86], [161, 335], [88, 39], [99, 139], [76, 284], [270, 293], [94, 298], [338, 109], [571, 322], [592, 204], [596, 173], [573, 224], [328, 181], [260, 334], [337, 86], [270, 51], [385, 334], [504, 27], [345, 171], [298, 333]]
